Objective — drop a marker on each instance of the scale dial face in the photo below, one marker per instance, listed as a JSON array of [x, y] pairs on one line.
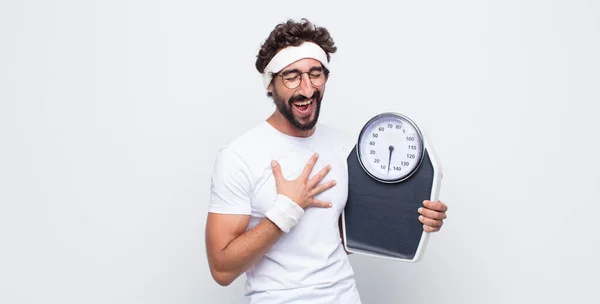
[[390, 147]]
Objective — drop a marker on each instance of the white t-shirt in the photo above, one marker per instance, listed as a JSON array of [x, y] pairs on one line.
[[307, 264]]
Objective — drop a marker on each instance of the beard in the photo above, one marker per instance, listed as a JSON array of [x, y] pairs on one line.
[[285, 108]]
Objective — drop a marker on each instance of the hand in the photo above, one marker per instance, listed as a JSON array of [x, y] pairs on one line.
[[432, 215], [302, 190]]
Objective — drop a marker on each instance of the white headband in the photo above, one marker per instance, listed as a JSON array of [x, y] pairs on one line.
[[292, 54]]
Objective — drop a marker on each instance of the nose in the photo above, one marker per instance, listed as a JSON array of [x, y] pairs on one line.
[[306, 87]]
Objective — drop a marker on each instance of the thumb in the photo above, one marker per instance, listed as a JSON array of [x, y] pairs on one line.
[[276, 171]]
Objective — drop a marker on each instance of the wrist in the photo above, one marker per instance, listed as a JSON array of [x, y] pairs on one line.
[[285, 213]]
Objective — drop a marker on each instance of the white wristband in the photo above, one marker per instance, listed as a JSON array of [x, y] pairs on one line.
[[285, 214]]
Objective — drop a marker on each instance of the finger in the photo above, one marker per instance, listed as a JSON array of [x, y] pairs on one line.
[[319, 204], [276, 171], [437, 205], [322, 187], [432, 214], [309, 166], [430, 222], [319, 176], [430, 229]]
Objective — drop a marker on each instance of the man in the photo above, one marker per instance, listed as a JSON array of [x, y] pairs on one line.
[[278, 190]]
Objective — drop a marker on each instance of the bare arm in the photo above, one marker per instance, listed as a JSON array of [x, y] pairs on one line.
[[231, 250]]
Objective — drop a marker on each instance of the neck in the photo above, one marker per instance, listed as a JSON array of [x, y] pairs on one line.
[[279, 122]]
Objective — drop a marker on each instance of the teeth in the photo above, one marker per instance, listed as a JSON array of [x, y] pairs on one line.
[[303, 103]]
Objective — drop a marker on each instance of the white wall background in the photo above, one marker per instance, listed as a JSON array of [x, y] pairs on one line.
[[111, 113]]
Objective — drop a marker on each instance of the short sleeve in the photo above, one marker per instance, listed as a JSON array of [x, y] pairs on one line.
[[230, 190]]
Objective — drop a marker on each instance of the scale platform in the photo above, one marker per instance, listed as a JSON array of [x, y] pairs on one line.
[[381, 219]]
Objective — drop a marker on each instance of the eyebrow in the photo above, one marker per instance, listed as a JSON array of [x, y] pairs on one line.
[[317, 68]]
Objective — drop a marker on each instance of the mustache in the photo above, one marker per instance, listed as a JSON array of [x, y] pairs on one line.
[[301, 97]]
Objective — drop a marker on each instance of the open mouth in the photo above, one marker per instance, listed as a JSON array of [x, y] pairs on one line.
[[303, 106]]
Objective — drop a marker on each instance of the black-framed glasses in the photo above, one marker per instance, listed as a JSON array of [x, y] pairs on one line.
[[293, 78]]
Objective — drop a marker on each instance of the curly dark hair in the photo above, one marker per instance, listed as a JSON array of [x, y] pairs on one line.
[[293, 33]]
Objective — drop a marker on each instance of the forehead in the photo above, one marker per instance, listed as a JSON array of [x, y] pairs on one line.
[[303, 65]]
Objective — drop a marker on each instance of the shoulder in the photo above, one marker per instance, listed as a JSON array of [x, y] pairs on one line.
[[247, 143], [232, 177]]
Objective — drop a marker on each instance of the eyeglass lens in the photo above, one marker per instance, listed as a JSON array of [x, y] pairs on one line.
[[292, 80]]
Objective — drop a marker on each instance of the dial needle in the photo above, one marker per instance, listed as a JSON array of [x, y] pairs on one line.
[[390, 160]]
